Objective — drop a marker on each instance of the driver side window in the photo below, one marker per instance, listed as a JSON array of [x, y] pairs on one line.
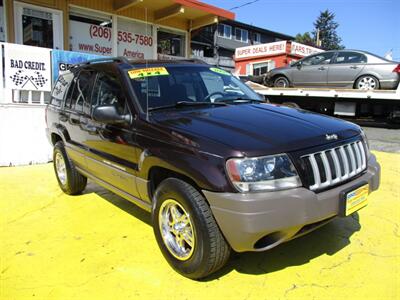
[[108, 91], [318, 59]]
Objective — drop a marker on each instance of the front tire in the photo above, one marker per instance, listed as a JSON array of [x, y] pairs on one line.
[[281, 82], [186, 231], [69, 179]]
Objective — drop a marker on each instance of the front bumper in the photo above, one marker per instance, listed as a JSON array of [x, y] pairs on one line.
[[260, 221]]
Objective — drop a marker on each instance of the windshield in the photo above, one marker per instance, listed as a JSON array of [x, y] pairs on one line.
[[171, 85]]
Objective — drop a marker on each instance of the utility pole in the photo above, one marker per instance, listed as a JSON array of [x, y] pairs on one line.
[[318, 42]]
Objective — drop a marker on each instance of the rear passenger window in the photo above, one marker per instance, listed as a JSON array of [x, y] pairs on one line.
[[80, 97], [61, 86], [350, 58], [108, 91]]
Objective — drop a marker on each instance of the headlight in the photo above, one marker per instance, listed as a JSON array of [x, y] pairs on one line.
[[366, 142], [266, 173]]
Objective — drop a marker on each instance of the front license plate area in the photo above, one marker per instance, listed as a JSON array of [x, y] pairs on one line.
[[353, 199]]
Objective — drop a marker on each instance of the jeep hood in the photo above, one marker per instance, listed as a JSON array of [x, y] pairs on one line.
[[256, 129]]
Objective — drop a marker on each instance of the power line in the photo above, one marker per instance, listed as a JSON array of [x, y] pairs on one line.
[[244, 4]]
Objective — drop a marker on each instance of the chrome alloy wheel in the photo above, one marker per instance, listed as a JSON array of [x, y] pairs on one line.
[[281, 82], [367, 83], [176, 229], [61, 168]]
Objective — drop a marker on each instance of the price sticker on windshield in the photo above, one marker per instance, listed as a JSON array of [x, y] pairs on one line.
[[147, 72], [220, 71]]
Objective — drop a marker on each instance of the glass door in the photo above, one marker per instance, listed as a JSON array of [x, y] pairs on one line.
[[38, 26]]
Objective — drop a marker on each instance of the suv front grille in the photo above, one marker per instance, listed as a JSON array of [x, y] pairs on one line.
[[332, 166]]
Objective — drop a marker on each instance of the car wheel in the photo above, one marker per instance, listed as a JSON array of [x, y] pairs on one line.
[[281, 81], [186, 231], [69, 179], [367, 82]]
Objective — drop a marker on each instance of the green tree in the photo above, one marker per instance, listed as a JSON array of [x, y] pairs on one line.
[[305, 39], [326, 26]]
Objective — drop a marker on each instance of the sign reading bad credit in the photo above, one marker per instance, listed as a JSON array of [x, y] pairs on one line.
[[27, 68]]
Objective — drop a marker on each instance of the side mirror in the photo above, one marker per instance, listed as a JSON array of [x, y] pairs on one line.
[[108, 114], [298, 65]]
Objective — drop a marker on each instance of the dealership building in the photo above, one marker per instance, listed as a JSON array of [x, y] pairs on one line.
[[260, 58], [131, 28], [40, 38]]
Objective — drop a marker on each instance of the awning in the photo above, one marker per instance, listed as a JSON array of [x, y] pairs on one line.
[[194, 13]]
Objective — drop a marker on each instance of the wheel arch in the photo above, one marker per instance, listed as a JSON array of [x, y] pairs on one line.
[[55, 137], [157, 174]]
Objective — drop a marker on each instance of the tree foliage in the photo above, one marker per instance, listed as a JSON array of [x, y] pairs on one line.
[[305, 39], [327, 26]]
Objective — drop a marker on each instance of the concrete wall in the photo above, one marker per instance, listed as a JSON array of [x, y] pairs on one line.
[[22, 135]]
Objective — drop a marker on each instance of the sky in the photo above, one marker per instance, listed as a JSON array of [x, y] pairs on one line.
[[370, 25]]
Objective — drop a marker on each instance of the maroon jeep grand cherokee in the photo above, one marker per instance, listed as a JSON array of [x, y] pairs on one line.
[[217, 167]]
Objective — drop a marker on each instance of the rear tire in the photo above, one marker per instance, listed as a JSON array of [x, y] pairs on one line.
[[367, 82], [186, 231], [69, 179], [281, 81]]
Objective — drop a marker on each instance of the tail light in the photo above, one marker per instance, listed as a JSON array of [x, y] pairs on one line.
[[397, 69]]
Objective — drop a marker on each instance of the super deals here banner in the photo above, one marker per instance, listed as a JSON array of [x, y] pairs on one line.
[[27, 67]]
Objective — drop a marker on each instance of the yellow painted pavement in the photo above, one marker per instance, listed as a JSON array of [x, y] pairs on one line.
[[99, 246]]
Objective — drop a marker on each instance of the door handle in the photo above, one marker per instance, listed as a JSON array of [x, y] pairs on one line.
[[63, 117], [354, 67], [321, 68], [89, 126]]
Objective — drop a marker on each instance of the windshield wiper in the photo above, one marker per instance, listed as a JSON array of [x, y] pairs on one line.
[[237, 100], [188, 104]]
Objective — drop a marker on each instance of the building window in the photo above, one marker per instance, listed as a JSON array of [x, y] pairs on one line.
[[135, 39], [256, 38], [263, 67], [37, 28], [2, 22], [170, 43], [241, 35], [224, 31], [90, 32]]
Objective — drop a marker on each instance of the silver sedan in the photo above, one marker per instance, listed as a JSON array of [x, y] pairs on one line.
[[343, 68]]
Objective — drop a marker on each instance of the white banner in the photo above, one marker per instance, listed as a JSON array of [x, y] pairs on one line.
[[261, 50], [27, 67], [303, 50]]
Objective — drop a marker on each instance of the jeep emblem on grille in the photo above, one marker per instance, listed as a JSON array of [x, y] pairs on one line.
[[331, 137]]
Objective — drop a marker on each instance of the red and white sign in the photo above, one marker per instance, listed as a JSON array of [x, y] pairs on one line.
[[303, 50], [261, 50]]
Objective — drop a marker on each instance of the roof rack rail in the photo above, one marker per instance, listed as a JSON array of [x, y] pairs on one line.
[[120, 59], [194, 60]]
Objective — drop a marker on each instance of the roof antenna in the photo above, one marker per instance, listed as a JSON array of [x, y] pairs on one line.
[[146, 78]]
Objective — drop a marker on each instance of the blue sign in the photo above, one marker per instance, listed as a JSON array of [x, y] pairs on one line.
[[62, 60]]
